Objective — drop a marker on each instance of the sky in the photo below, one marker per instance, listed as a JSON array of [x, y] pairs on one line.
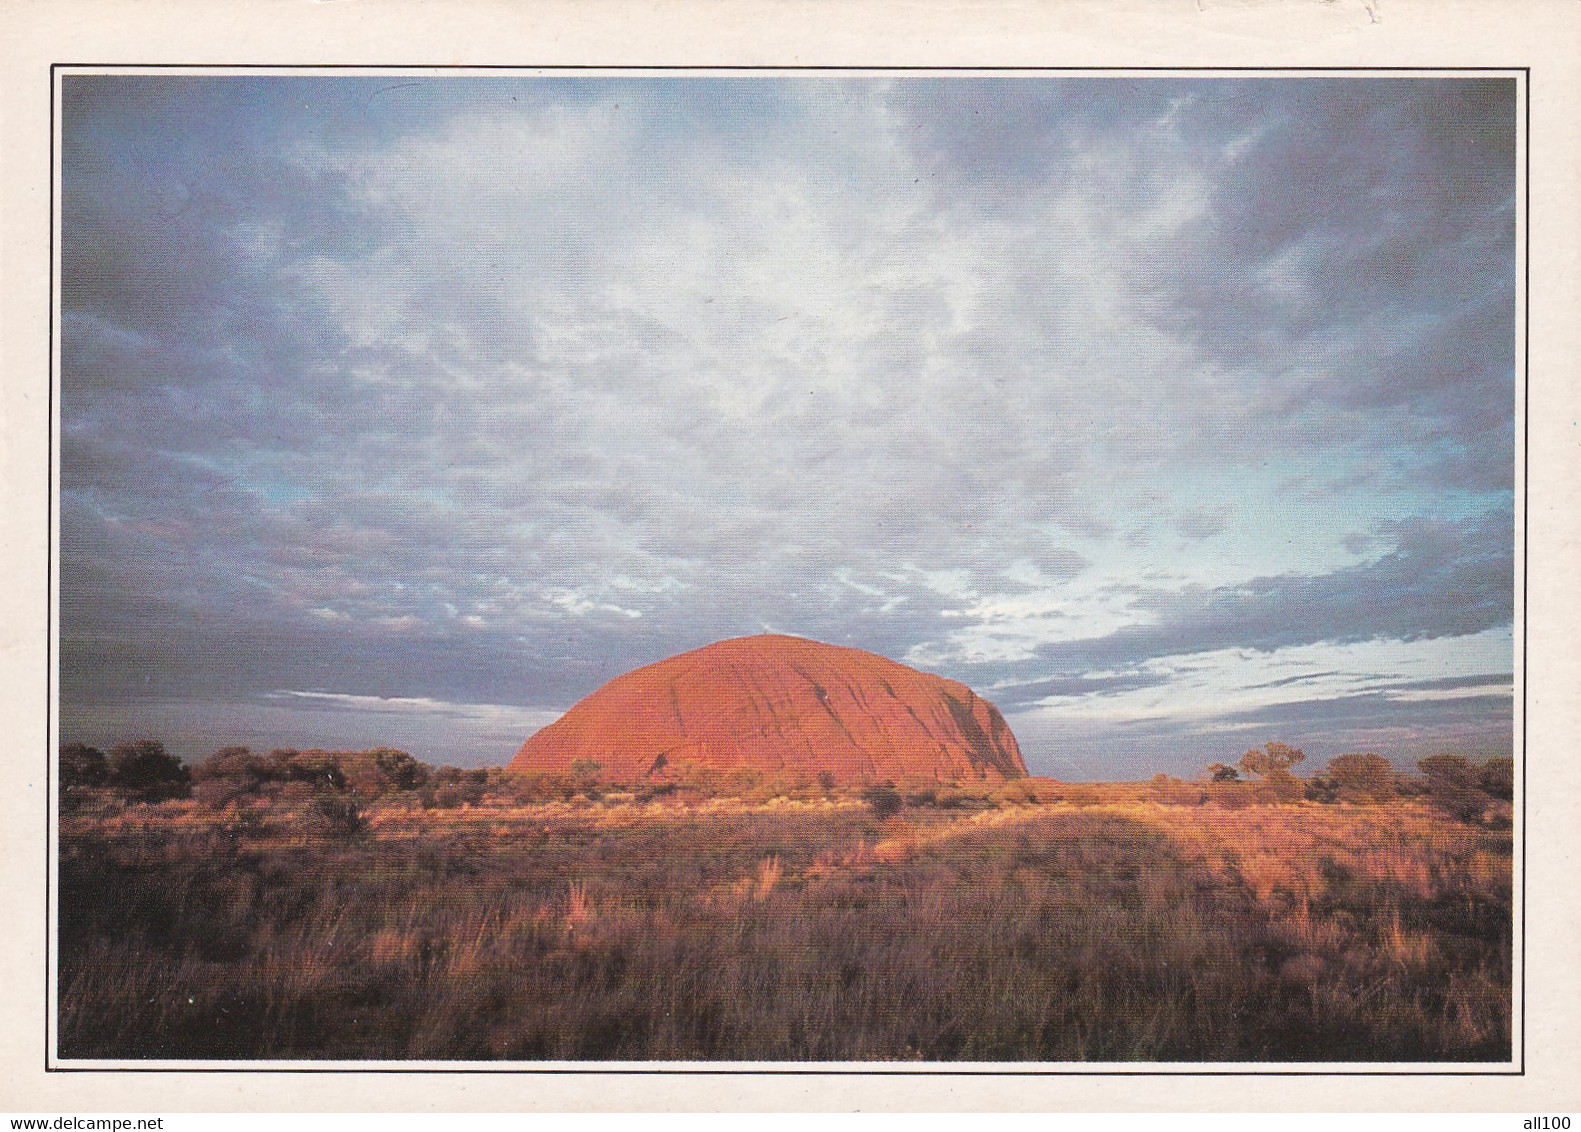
[[1174, 415]]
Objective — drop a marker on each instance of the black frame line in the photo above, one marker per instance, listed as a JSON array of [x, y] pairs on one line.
[[856, 1069], [51, 701], [1526, 514]]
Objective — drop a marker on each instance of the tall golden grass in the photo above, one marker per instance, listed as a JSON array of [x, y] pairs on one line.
[[1108, 926]]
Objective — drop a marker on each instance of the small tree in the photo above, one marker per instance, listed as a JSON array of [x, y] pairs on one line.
[[400, 769], [144, 772], [377, 772], [1454, 770], [230, 774], [1273, 764], [320, 769], [1362, 777], [1274, 757], [1322, 788], [450, 786], [1452, 782], [1497, 778], [1223, 772], [82, 766]]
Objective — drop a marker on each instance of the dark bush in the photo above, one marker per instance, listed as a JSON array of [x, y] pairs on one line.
[[449, 787], [230, 774], [144, 772], [400, 769], [379, 771], [318, 768], [1452, 783], [336, 815], [1497, 778], [1452, 770], [1322, 788], [1410, 785], [540, 786], [885, 801], [82, 766], [234, 762]]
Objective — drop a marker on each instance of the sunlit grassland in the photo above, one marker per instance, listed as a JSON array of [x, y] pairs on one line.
[[1119, 929]]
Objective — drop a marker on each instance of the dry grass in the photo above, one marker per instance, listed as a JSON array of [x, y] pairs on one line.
[[1106, 926]]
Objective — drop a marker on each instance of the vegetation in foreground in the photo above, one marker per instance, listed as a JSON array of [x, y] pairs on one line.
[[362, 905]]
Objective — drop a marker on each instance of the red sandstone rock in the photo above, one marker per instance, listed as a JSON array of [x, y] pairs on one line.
[[781, 704]]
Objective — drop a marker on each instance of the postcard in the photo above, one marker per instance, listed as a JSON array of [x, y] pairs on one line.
[[972, 572]]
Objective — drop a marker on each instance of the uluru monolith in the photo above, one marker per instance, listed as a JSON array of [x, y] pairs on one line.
[[780, 704]]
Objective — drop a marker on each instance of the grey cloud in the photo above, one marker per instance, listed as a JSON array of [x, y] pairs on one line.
[[1352, 721], [1069, 687], [1289, 681], [1076, 750], [348, 363], [1445, 683], [1200, 523], [1350, 276], [1443, 579]]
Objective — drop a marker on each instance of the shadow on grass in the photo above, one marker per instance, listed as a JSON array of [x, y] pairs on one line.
[[1055, 934]]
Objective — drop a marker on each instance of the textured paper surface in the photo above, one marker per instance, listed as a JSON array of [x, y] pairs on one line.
[[1542, 36]]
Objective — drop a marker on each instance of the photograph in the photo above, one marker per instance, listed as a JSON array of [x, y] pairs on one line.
[[883, 569]]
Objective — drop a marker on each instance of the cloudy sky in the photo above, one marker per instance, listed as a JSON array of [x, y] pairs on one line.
[[1174, 415]]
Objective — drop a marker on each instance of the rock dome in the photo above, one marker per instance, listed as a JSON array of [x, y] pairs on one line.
[[780, 704]]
